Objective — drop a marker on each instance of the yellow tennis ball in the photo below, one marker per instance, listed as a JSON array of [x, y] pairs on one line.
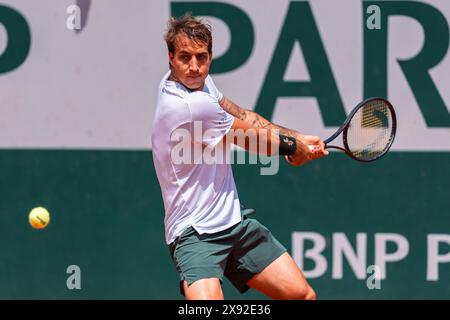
[[39, 218]]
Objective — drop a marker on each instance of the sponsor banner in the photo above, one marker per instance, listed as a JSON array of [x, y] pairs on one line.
[[86, 76]]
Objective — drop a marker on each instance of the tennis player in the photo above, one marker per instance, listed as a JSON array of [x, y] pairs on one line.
[[208, 233]]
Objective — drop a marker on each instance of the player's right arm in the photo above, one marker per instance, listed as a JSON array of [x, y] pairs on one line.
[[259, 121], [270, 142], [310, 147]]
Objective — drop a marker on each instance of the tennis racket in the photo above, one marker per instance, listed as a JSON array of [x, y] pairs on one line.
[[368, 132]]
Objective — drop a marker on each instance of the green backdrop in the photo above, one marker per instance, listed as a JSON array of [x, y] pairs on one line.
[[107, 218]]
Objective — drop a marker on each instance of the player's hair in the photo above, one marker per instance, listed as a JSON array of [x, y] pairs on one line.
[[193, 28]]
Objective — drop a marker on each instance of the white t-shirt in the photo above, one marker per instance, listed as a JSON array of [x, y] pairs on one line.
[[195, 193]]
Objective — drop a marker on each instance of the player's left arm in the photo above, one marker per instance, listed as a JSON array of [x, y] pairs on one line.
[[258, 121]]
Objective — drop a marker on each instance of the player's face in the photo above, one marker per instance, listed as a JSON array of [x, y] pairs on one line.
[[190, 62]]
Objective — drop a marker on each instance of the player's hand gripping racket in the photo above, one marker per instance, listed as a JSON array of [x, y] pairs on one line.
[[368, 132]]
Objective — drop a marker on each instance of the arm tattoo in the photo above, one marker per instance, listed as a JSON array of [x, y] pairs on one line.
[[233, 109], [258, 121], [286, 131], [253, 118]]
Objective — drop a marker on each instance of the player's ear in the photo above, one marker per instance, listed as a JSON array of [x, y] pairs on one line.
[[171, 56]]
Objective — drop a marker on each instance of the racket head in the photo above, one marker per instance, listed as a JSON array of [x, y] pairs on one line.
[[370, 130]]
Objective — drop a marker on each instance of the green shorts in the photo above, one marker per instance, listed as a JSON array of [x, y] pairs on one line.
[[238, 252]]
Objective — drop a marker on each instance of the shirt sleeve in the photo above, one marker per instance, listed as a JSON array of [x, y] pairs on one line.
[[210, 123], [212, 89]]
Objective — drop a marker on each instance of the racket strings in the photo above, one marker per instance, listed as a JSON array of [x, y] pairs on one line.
[[370, 132]]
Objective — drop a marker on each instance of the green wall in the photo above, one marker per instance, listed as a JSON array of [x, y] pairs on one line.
[[107, 218]]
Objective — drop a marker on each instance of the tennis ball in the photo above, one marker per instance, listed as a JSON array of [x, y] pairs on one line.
[[39, 218]]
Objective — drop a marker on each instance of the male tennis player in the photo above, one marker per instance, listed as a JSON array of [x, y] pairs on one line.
[[208, 234]]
